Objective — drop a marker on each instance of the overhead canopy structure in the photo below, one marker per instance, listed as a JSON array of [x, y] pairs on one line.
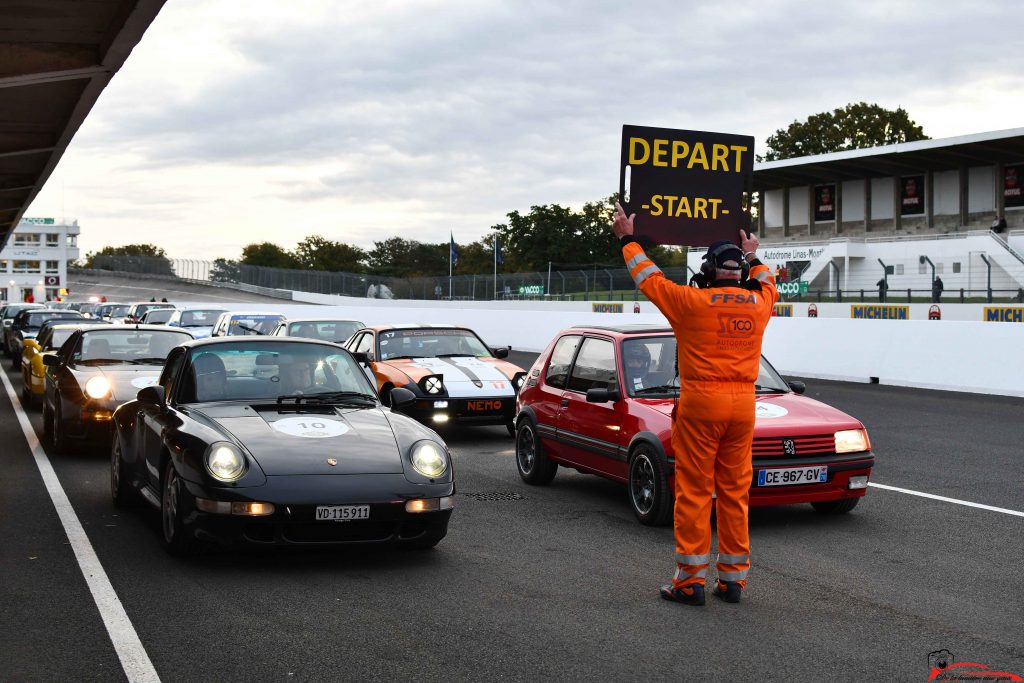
[[56, 57], [982, 149]]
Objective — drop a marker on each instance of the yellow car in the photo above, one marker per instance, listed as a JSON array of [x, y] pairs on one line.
[[49, 341]]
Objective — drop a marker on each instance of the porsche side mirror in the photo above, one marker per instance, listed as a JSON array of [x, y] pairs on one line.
[[797, 386], [401, 398], [501, 353], [153, 396], [602, 395], [362, 357], [51, 361]]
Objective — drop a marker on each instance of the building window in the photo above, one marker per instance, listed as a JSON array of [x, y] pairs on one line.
[[27, 266], [938, 267], [3, 266], [53, 239], [956, 266], [899, 269], [72, 241], [922, 267], [27, 239], [53, 266]]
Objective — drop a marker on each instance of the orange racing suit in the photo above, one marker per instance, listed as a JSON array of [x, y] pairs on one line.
[[718, 336]]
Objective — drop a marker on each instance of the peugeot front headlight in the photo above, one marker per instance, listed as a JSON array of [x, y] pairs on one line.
[[224, 462], [97, 387], [429, 459], [852, 441]]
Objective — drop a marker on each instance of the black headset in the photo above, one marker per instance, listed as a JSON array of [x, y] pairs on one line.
[[710, 263]]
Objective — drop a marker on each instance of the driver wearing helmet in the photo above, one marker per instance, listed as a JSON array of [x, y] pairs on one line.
[[297, 376], [636, 361]]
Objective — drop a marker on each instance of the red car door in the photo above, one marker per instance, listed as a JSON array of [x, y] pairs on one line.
[[591, 433], [547, 401]]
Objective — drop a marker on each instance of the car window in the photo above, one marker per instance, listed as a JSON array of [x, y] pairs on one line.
[[127, 345], [58, 337], [365, 343], [561, 358], [168, 378], [267, 371], [198, 318], [594, 367], [649, 366], [430, 343], [248, 325]]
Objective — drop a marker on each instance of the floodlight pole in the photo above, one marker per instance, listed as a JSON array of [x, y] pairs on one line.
[[548, 289]]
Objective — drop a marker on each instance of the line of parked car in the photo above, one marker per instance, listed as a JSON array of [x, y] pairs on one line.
[[237, 426]]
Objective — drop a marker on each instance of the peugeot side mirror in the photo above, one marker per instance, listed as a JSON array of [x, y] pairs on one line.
[[501, 353], [51, 361], [153, 396], [602, 395], [797, 386], [401, 398]]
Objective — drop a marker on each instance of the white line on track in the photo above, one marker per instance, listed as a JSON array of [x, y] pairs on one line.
[[134, 660], [944, 499]]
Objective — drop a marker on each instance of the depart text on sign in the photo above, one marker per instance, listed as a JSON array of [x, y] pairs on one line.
[[679, 153]]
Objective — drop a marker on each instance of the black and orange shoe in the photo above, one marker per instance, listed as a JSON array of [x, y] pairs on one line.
[[729, 591], [690, 594]]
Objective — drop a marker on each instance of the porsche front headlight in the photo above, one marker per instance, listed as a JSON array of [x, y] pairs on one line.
[[97, 387], [433, 385], [852, 441], [224, 462], [429, 459], [518, 380]]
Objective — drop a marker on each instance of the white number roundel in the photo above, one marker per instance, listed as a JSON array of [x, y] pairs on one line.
[[310, 427], [143, 382], [769, 410]]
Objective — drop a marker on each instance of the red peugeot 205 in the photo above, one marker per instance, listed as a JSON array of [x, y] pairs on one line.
[[600, 399]]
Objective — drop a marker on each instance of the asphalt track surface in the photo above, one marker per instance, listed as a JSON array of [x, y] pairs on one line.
[[557, 582], [131, 289]]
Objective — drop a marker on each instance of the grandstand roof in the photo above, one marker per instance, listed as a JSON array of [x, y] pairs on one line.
[[58, 56], [979, 149]]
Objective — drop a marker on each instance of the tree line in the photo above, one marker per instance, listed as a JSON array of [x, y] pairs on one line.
[[546, 234]]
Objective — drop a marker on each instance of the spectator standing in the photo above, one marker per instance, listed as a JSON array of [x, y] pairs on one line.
[[937, 288], [883, 286]]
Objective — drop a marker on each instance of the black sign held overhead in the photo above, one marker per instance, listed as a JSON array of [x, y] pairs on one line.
[[686, 187]]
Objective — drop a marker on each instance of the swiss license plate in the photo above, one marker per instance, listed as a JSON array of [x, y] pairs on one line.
[[793, 475], [341, 513]]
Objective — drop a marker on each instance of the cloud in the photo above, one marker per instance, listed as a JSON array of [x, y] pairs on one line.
[[416, 118]]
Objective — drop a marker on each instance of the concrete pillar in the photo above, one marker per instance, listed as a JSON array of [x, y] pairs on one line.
[[838, 199], [785, 211], [867, 207], [897, 203], [964, 195], [810, 209], [929, 198]]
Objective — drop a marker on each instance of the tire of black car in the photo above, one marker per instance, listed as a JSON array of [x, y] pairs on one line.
[[532, 462], [173, 501], [835, 507], [120, 492], [647, 486], [57, 437]]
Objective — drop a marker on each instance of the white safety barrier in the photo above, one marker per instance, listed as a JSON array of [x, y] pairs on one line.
[[954, 355]]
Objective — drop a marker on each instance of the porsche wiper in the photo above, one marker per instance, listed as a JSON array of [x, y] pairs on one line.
[[99, 361], [250, 329], [148, 361], [407, 356], [455, 355], [330, 397], [768, 390]]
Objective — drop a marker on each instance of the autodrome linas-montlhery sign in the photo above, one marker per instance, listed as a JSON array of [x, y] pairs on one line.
[[686, 187]]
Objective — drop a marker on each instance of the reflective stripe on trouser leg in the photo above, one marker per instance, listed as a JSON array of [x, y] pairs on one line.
[[694, 443], [733, 473]]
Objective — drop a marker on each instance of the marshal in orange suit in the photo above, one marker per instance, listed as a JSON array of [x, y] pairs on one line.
[[718, 326]]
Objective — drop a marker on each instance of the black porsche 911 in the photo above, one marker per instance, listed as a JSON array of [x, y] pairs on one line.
[[271, 441], [97, 369]]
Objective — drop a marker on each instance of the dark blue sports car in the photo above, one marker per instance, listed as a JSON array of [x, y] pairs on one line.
[[271, 441]]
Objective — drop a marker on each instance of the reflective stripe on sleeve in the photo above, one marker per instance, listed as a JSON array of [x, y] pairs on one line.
[[645, 273], [732, 559], [693, 559], [733, 576], [764, 277], [636, 261]]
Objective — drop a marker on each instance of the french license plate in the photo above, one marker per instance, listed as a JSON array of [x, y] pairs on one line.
[[793, 475], [341, 513]]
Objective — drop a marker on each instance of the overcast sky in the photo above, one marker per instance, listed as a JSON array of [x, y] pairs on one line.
[[239, 122]]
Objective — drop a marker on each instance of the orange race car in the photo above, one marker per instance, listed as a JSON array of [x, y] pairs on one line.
[[454, 375]]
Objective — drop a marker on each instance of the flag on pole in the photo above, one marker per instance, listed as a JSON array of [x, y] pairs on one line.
[[454, 256], [497, 252]]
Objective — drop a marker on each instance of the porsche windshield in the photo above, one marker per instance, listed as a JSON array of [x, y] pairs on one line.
[[244, 325], [254, 371], [127, 345], [199, 317], [324, 330], [430, 343]]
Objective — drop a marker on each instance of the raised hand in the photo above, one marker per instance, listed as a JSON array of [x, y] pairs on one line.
[[621, 224]]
